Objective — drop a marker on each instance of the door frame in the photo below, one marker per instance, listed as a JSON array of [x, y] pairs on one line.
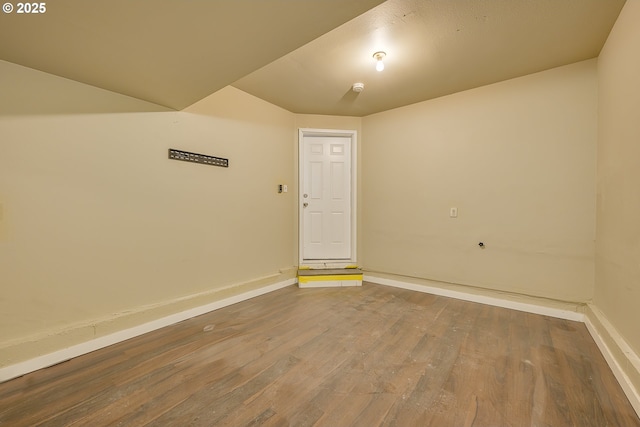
[[328, 263]]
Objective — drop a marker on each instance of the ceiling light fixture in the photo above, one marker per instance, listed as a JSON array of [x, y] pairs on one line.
[[379, 56]]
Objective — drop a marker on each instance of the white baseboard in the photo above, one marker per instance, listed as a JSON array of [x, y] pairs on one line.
[[622, 349], [44, 361], [482, 299]]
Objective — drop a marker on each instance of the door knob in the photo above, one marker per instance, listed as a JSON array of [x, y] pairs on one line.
[[305, 204], [305, 195]]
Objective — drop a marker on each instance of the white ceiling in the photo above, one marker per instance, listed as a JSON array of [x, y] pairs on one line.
[[303, 55]]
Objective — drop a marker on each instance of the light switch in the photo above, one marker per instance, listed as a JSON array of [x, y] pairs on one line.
[[453, 213]]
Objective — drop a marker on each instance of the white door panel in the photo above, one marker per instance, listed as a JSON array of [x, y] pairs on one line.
[[326, 197]]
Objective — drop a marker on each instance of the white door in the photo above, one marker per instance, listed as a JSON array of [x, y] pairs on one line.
[[326, 197]]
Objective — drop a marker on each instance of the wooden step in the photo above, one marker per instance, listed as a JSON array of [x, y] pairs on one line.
[[334, 277]]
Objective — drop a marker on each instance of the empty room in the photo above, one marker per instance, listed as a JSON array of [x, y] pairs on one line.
[[320, 213]]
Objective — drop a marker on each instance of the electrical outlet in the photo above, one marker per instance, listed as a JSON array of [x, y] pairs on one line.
[[453, 213]]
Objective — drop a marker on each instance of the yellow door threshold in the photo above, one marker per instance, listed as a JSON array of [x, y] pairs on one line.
[[335, 277]]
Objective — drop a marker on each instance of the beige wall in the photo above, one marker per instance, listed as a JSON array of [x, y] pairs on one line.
[[516, 158], [617, 290], [99, 231]]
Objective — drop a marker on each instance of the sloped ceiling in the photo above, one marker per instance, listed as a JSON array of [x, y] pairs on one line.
[[169, 52], [304, 55]]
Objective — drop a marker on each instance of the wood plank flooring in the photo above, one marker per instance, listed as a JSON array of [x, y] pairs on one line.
[[369, 356]]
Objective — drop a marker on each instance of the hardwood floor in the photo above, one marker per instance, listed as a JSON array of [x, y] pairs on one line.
[[365, 356]]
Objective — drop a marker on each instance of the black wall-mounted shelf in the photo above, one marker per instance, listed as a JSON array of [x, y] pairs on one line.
[[186, 156]]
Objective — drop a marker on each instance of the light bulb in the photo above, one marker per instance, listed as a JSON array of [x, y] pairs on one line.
[[378, 56]]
